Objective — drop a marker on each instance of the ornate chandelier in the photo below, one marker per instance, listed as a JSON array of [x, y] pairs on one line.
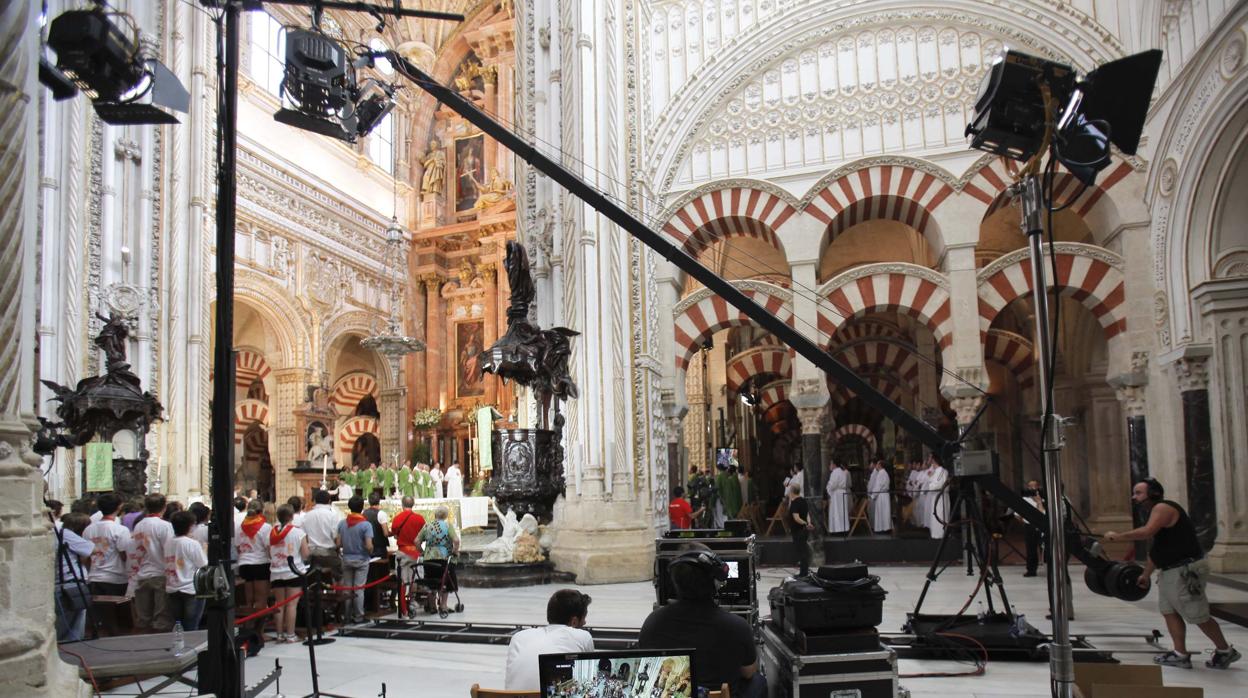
[[388, 338]]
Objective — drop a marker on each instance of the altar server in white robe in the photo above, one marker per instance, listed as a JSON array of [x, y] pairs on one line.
[[881, 499], [918, 515], [438, 476], [938, 510], [838, 499], [454, 482]]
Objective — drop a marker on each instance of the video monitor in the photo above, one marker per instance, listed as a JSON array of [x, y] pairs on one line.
[[618, 674], [735, 591], [726, 456]]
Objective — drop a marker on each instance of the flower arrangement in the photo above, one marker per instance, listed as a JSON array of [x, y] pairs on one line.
[[427, 418]]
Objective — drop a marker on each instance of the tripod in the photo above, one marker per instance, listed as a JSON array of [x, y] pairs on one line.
[[312, 642], [965, 509]]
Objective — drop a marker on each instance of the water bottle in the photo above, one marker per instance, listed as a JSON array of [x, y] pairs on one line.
[[179, 640], [982, 616]]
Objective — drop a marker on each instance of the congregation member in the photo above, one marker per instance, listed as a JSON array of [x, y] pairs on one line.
[[147, 550], [296, 508], [110, 541], [800, 526], [440, 542], [878, 490], [251, 541], [202, 515], [381, 526], [724, 649], [321, 525], [406, 527], [1183, 573], [356, 536], [288, 545], [240, 510], [563, 634], [838, 499], [938, 509], [1033, 536], [184, 556], [454, 482], [679, 511], [131, 512], [71, 596]]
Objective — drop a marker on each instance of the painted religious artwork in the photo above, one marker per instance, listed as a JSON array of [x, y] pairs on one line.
[[470, 171], [469, 336]]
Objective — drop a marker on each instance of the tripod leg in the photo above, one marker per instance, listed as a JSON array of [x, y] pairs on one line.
[[940, 554]]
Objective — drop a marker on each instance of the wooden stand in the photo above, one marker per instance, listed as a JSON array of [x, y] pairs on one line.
[[308, 478]]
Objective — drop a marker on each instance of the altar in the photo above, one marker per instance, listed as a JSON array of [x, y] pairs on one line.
[[464, 512]]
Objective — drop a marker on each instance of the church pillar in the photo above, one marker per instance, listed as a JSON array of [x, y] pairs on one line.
[[1192, 372], [29, 665], [489, 274], [434, 336], [286, 442], [393, 431], [1130, 388], [414, 370], [967, 347], [696, 422], [674, 414], [1224, 310], [812, 450]]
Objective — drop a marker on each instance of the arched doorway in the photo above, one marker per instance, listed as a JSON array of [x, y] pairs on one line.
[[366, 450]]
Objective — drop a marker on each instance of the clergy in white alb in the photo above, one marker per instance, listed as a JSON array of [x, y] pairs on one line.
[[438, 476], [938, 509], [918, 513], [881, 499], [838, 499], [454, 482]]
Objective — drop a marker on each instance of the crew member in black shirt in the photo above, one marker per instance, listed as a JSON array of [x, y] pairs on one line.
[[1177, 553], [800, 526], [722, 643]]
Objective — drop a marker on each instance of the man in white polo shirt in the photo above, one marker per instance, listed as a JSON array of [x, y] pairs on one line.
[[565, 612], [321, 525]]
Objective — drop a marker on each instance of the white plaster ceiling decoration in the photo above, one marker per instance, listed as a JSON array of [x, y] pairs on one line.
[[822, 82]]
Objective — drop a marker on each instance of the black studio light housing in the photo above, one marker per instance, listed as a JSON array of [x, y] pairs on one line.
[[1013, 112], [94, 56], [320, 86]]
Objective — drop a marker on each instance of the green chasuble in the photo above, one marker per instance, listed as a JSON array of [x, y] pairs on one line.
[[424, 486], [407, 483], [729, 492], [385, 480]]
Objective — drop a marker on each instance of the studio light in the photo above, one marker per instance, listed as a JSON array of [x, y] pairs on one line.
[[95, 56], [320, 85], [1022, 95]]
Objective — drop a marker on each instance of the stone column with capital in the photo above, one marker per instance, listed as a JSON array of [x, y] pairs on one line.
[[1192, 372], [489, 274], [393, 423], [1130, 388], [285, 440], [29, 664]]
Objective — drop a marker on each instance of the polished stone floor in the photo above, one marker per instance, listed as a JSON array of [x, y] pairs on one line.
[[359, 667]]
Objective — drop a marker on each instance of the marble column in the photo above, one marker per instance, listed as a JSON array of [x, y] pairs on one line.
[[393, 422], [812, 452], [1130, 388], [489, 274], [286, 443], [675, 469], [435, 333], [29, 665], [1192, 371], [1224, 312]]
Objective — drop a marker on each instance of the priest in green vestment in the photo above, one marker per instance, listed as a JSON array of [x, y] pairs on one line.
[[729, 489]]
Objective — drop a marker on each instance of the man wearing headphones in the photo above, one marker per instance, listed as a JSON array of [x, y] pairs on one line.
[[1177, 553], [724, 650]]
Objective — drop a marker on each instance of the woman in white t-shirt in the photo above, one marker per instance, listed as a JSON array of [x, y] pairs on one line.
[[183, 557], [252, 543], [286, 541]]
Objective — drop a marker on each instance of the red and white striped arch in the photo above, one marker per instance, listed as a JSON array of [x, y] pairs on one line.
[[709, 314], [909, 293], [249, 365], [1013, 351], [894, 357], [255, 443], [863, 330], [350, 432], [858, 430], [773, 394], [725, 213], [352, 388], [886, 385], [896, 192], [247, 413], [1082, 273], [765, 360], [991, 180]]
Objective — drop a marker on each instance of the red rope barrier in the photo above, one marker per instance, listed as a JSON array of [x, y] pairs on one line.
[[363, 586], [267, 611]]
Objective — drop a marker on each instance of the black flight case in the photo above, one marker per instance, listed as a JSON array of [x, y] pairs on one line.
[[862, 674]]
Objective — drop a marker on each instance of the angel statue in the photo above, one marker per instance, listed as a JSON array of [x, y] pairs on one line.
[[320, 445]]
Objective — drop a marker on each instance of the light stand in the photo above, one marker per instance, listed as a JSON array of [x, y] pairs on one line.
[[1061, 658]]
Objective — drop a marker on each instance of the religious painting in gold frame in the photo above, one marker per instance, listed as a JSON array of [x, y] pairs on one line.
[[469, 171], [469, 343]]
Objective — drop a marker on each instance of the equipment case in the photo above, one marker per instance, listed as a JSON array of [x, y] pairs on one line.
[[870, 674]]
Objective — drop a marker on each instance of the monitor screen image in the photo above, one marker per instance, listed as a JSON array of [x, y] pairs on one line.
[[734, 569], [617, 674]]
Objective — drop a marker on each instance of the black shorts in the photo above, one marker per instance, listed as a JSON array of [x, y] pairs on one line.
[[254, 573], [286, 583]]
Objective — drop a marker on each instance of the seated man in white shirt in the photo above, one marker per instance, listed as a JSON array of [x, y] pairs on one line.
[[566, 613]]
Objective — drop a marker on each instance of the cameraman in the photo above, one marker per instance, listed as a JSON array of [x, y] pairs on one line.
[[723, 642]]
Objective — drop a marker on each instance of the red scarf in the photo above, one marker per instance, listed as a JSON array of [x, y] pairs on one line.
[[276, 536], [354, 518], [251, 524]]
